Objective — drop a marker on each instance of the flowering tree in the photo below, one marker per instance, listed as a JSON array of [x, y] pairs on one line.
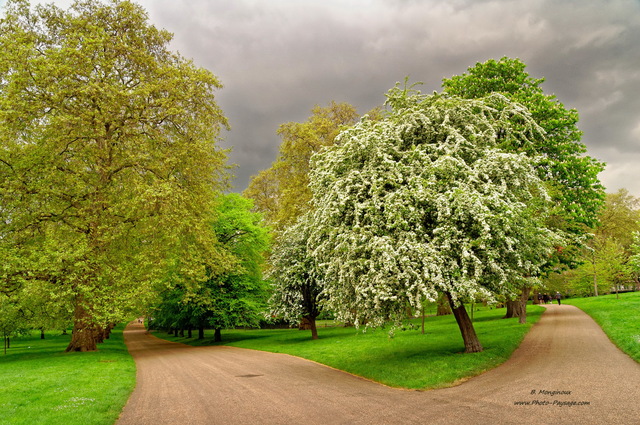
[[571, 176], [424, 201], [298, 283], [561, 160]]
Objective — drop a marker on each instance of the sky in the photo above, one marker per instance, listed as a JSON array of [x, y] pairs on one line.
[[279, 58]]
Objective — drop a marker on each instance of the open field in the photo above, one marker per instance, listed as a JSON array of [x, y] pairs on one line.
[[618, 317], [43, 385], [408, 359]]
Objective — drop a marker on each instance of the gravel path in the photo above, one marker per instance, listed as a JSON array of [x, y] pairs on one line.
[[566, 369]]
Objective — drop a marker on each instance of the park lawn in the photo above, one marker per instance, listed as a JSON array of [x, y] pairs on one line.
[[618, 317], [41, 384], [406, 360]]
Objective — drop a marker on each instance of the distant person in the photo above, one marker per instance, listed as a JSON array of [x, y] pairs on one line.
[[540, 298], [558, 297], [546, 298]]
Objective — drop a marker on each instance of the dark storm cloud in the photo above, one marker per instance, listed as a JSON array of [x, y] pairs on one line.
[[279, 58]]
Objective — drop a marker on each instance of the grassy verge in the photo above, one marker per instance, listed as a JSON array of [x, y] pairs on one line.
[[408, 360], [43, 385], [619, 318]]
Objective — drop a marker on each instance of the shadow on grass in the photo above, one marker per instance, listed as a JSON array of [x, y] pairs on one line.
[[372, 343], [279, 336], [228, 336], [32, 348]]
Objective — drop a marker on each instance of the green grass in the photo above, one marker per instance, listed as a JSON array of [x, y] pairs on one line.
[[43, 385], [619, 318], [408, 360]]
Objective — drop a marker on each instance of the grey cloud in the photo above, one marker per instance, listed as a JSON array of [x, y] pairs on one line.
[[279, 58]]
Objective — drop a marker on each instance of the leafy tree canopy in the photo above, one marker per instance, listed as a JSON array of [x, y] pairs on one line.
[[282, 191], [570, 175], [236, 297], [109, 167], [426, 201], [606, 261], [619, 218]]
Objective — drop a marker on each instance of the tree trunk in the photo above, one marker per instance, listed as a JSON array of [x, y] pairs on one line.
[[82, 339], [311, 321], [176, 331], [201, 332], [217, 335], [409, 312], [536, 299], [518, 307], [83, 336], [106, 331], [189, 332], [471, 341], [443, 306], [513, 309], [41, 333]]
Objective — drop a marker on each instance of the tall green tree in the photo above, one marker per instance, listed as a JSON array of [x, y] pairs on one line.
[[426, 201], [612, 244], [241, 294], [619, 218], [571, 176], [43, 307], [109, 166], [282, 191], [634, 261], [236, 297], [12, 322], [602, 269], [605, 259]]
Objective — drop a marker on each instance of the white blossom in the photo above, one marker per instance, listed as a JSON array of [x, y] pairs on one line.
[[423, 202]]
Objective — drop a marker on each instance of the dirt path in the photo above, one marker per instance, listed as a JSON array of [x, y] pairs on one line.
[[565, 352]]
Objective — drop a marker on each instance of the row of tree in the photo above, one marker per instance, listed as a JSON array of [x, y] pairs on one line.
[[235, 298], [112, 182], [610, 259]]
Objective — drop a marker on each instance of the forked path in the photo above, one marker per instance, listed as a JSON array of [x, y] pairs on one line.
[[566, 368]]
